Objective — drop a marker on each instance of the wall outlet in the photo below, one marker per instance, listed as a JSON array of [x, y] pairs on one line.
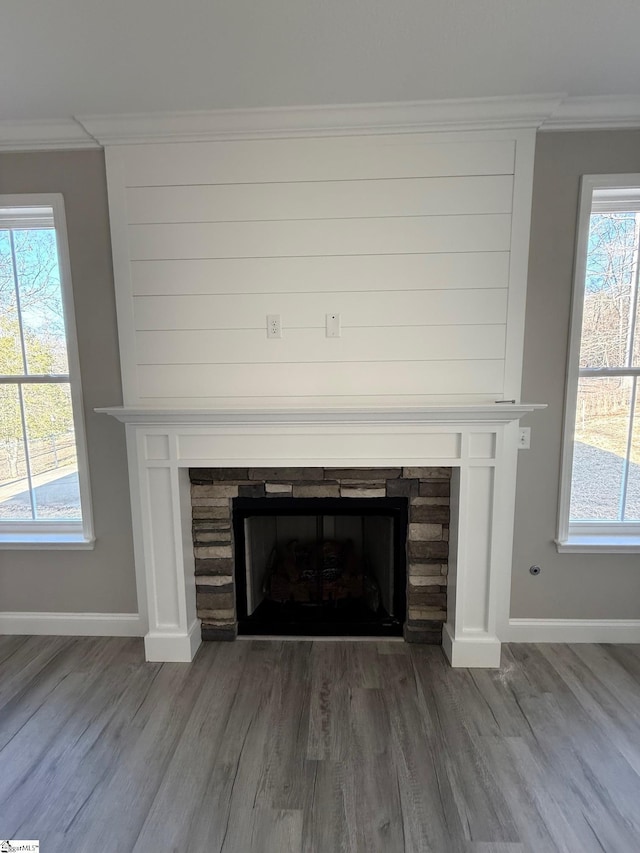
[[333, 325], [524, 438], [274, 329]]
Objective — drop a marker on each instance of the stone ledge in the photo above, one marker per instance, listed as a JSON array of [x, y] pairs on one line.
[[215, 490], [285, 474], [278, 488], [214, 566], [214, 581], [427, 633], [213, 551], [430, 514], [212, 475], [216, 600], [437, 550], [434, 473], [316, 490], [430, 614], [421, 582], [427, 598], [434, 489], [224, 616], [435, 567], [223, 633], [423, 532], [362, 473]]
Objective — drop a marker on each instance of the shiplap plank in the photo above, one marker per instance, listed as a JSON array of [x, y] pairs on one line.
[[305, 275], [412, 377], [414, 308], [321, 200], [310, 401], [295, 238], [235, 346], [342, 158]]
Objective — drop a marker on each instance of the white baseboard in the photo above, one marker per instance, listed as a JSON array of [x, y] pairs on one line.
[[73, 624], [572, 631]]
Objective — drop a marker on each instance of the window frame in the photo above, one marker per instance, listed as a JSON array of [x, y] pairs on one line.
[[41, 533], [587, 536]]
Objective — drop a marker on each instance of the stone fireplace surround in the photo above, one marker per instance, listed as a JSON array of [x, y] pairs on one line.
[[478, 442], [426, 490]]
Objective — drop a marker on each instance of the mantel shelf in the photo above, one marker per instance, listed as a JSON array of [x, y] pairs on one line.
[[496, 413]]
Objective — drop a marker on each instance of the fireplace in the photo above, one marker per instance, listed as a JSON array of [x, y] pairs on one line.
[[477, 442], [321, 551], [398, 340]]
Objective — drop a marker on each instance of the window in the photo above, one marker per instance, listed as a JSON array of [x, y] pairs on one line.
[[600, 492], [44, 487]]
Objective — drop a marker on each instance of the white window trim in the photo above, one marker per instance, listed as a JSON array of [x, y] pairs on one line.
[[586, 537], [53, 534]]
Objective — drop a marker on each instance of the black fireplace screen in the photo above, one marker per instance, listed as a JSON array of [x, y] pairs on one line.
[[320, 566]]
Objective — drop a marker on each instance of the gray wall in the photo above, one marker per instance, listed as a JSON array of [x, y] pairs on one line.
[[102, 580], [571, 586]]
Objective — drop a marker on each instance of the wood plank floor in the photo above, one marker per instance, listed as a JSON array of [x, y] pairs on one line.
[[318, 747]]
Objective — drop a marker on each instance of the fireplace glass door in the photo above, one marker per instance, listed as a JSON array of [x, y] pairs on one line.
[[320, 566]]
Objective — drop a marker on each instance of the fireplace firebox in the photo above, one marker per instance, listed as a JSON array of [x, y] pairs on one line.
[[320, 567]]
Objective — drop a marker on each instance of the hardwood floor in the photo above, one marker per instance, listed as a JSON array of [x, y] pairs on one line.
[[318, 747]]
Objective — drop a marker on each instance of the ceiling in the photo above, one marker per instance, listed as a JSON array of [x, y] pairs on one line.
[[75, 57]]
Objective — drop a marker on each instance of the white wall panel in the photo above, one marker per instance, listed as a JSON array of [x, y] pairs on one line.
[[327, 159], [407, 236], [450, 270], [229, 346], [318, 379], [414, 308], [273, 401], [393, 235], [321, 200]]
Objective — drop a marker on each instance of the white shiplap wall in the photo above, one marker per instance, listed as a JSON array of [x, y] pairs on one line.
[[418, 241]]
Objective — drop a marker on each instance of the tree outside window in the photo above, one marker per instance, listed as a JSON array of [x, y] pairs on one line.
[[39, 480]]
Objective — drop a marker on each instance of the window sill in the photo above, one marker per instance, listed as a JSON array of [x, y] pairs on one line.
[[45, 542], [600, 543]]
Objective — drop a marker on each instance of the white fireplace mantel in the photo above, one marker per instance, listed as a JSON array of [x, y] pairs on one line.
[[479, 442]]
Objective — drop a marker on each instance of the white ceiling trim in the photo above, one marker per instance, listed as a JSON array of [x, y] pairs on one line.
[[602, 112], [45, 135], [337, 120], [542, 112]]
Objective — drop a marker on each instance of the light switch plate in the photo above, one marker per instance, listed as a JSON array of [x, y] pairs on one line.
[[333, 325]]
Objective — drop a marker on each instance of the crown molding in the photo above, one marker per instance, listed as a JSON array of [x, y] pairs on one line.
[[601, 112], [44, 135], [339, 120], [539, 112]]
